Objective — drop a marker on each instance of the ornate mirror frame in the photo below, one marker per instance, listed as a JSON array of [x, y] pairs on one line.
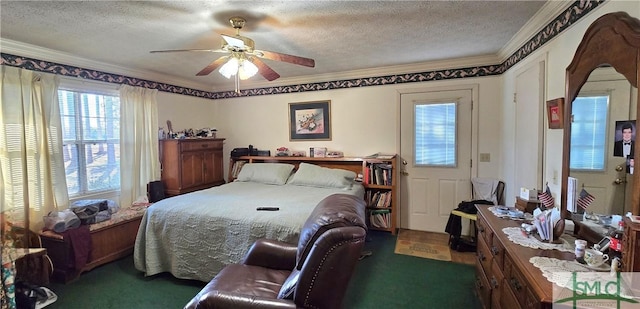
[[614, 40]]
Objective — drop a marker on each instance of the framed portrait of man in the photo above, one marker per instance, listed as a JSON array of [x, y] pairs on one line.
[[625, 138]]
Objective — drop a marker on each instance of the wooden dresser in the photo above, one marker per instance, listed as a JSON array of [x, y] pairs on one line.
[[631, 246], [191, 164], [504, 276]]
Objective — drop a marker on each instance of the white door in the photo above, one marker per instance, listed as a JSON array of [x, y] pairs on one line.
[[599, 171], [435, 143], [529, 128]]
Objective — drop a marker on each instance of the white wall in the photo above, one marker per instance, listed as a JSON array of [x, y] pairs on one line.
[[186, 112]]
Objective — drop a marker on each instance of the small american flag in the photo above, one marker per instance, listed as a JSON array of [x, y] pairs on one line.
[[585, 199], [546, 198]]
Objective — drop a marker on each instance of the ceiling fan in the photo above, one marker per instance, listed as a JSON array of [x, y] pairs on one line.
[[243, 60]]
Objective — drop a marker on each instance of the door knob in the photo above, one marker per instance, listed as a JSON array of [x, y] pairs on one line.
[[619, 181], [404, 162], [404, 173], [619, 168]]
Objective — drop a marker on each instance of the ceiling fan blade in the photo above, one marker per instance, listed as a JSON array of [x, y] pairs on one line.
[[212, 66], [307, 62], [188, 50], [233, 41], [265, 70]]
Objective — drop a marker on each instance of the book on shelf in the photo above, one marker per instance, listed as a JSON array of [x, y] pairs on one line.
[[379, 174], [380, 218], [237, 166], [378, 199]]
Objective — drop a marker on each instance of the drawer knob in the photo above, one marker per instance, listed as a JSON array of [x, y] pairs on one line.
[[515, 284], [481, 256], [494, 282], [494, 250]]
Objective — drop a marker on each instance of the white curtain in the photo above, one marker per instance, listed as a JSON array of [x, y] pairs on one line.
[[32, 176], [139, 159]]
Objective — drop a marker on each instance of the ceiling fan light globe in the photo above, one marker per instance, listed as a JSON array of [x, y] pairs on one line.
[[230, 68], [247, 69]]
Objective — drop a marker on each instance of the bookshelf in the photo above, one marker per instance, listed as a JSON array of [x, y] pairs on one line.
[[378, 179]]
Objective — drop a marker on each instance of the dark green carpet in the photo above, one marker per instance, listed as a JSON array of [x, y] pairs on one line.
[[383, 280]]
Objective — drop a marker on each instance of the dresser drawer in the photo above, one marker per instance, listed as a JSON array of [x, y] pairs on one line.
[[497, 251], [484, 231], [496, 281], [201, 145], [482, 287], [531, 302], [517, 284], [483, 256], [508, 299]]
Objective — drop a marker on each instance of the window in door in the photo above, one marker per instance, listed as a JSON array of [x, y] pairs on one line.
[[91, 139], [589, 132], [435, 136]]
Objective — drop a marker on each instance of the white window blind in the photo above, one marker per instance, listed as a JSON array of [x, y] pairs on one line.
[[589, 132], [91, 139], [435, 136]]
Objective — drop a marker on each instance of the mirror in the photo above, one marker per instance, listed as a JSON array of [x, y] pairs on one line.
[[603, 104], [612, 40]]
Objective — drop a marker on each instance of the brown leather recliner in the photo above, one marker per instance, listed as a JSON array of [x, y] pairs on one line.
[[315, 274]]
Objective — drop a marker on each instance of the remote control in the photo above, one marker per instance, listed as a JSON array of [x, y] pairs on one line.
[[268, 208]]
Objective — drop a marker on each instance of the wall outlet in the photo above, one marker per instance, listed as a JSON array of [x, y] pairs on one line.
[[485, 157]]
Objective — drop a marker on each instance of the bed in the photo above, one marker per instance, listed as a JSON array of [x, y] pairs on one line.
[[193, 236]]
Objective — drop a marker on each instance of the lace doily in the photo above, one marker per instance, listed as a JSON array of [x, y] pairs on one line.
[[515, 235], [562, 272]]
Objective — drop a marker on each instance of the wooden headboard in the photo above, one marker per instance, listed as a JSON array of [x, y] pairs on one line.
[[348, 163]]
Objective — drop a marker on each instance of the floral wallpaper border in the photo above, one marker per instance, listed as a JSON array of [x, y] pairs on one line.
[[572, 14]]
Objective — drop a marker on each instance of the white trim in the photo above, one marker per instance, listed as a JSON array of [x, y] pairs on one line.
[[46, 54], [85, 85], [380, 71], [475, 127]]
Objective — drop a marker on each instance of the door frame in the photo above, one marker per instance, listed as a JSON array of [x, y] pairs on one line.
[[474, 88], [542, 174]]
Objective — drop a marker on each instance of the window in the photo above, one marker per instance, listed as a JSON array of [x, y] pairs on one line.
[[589, 132], [91, 141], [435, 134]]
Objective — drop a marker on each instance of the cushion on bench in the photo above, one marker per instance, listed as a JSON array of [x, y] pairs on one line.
[[121, 215]]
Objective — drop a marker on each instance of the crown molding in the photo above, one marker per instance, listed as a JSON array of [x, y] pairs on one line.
[[46, 54], [549, 11], [375, 72]]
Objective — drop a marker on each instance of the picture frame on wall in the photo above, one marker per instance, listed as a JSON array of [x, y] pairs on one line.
[[555, 113], [310, 121]]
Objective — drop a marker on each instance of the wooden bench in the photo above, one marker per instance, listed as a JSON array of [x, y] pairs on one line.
[[110, 240]]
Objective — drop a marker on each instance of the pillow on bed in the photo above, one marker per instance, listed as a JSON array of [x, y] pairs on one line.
[[269, 173], [317, 176]]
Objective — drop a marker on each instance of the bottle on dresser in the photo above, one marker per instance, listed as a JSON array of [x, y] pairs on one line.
[[615, 248]]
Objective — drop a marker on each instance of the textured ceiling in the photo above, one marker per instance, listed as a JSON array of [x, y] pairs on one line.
[[341, 36]]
